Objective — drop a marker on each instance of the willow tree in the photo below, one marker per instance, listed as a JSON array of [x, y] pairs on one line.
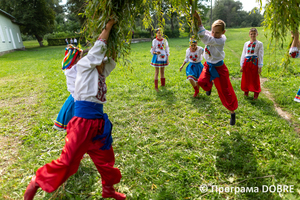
[[280, 18], [98, 13]]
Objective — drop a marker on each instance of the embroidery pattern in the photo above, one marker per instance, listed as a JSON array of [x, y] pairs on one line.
[[251, 47], [207, 50], [102, 89]]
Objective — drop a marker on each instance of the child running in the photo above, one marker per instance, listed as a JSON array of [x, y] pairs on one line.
[[160, 59], [89, 131], [66, 113], [295, 53], [214, 67], [195, 67], [251, 64]]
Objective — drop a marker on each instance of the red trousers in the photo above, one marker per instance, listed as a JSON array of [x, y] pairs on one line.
[[223, 85], [250, 78], [80, 133]]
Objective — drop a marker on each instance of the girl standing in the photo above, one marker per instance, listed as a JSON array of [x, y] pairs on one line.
[[195, 67], [160, 59]]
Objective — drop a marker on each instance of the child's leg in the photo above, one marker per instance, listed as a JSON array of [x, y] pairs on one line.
[[195, 86], [162, 76], [52, 175], [225, 89], [204, 79], [156, 78], [104, 160]]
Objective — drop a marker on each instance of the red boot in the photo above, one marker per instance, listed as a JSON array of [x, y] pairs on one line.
[[108, 191], [256, 95], [31, 189], [156, 84], [163, 81], [196, 91]]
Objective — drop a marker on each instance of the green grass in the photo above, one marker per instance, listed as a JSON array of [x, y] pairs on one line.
[[166, 144]]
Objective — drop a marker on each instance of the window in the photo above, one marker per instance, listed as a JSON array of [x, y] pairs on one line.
[[9, 40], [18, 38], [1, 34]]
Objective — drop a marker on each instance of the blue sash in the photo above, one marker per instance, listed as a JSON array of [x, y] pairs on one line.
[[92, 110], [252, 59], [212, 70]]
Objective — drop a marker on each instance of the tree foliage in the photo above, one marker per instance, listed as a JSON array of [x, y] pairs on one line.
[[280, 17], [37, 16], [98, 13]]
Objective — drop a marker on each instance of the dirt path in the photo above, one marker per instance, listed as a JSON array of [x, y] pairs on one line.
[[285, 115]]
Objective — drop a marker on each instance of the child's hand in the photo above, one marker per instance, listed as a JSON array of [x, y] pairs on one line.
[[180, 68], [241, 70], [197, 17], [259, 71]]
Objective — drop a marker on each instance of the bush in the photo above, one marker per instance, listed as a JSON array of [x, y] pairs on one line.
[[172, 34], [27, 37], [142, 34], [61, 41]]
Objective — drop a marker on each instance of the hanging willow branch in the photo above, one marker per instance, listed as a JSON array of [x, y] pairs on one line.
[[280, 18], [98, 13]]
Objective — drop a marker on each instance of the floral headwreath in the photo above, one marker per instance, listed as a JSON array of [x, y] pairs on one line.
[[71, 54], [192, 40], [158, 29]]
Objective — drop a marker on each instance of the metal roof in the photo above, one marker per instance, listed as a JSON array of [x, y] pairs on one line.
[[8, 15]]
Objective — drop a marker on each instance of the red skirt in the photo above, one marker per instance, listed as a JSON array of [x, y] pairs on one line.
[[223, 85], [80, 133], [250, 78]]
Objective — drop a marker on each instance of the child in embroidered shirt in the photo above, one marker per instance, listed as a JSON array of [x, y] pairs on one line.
[[160, 59], [66, 113], [214, 67], [89, 131], [251, 64], [295, 53], [194, 68]]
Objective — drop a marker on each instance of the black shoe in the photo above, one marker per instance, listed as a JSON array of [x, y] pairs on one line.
[[232, 119], [208, 92]]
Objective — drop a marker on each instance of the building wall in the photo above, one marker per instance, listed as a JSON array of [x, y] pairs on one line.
[[10, 35]]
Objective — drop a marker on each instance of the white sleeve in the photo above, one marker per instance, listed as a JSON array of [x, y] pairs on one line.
[[261, 55], [294, 52], [207, 39], [152, 47], [167, 48], [94, 57], [187, 53], [243, 54], [109, 65]]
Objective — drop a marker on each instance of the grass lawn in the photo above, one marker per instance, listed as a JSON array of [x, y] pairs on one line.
[[166, 144]]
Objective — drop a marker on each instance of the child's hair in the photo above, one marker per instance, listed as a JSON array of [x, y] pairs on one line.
[[220, 23], [71, 54], [253, 30]]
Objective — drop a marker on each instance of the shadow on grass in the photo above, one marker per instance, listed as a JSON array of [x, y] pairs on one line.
[[167, 95], [237, 159]]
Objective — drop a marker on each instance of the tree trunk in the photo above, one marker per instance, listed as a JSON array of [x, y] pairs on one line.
[[39, 39], [172, 24]]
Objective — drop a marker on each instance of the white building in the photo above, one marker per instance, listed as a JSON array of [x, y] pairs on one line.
[[10, 35]]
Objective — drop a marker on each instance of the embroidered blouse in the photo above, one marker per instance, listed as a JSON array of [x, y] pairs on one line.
[[255, 48], [89, 84], [294, 52], [160, 46], [71, 77], [214, 49], [194, 57]]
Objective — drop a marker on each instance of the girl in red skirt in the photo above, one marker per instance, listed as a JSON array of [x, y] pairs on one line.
[[89, 131], [251, 64]]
